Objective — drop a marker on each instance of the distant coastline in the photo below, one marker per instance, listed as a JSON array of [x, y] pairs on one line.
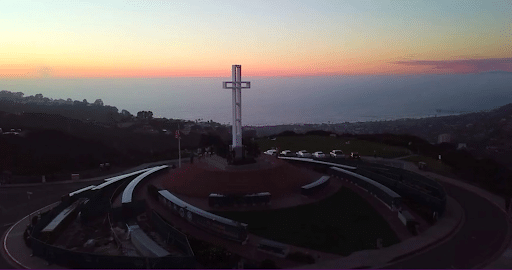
[[282, 100]]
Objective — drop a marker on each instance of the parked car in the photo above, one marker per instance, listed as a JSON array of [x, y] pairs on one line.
[[355, 155], [319, 154], [303, 153], [287, 153], [271, 152], [336, 153]]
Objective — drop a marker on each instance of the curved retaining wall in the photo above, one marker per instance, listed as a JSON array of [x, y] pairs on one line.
[[404, 188], [392, 199], [204, 220], [74, 259], [421, 189], [316, 186], [128, 191], [132, 208]]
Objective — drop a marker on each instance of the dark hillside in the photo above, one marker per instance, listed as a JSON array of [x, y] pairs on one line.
[[55, 145]]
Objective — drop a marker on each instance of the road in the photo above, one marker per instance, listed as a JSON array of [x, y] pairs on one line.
[[480, 237], [14, 203]]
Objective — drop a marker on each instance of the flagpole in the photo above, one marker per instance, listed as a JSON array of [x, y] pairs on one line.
[[179, 146]]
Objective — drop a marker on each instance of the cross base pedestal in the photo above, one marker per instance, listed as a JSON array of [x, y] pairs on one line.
[[238, 152]]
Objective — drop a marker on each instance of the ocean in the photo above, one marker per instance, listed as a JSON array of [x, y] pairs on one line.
[[286, 100]]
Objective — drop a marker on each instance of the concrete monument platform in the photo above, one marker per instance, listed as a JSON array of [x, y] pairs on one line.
[[213, 175]]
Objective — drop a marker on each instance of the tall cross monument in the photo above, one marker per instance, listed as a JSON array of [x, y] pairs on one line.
[[237, 86]]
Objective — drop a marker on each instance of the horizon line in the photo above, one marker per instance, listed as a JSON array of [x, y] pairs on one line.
[[4, 77]]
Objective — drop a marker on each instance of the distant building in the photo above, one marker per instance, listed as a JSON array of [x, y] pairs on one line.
[[444, 138]]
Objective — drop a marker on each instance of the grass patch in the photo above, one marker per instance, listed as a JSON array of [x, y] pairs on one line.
[[340, 224], [327, 144]]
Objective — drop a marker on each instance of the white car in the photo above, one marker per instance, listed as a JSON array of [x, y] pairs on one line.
[[270, 152], [303, 153], [336, 153], [319, 154], [287, 153]]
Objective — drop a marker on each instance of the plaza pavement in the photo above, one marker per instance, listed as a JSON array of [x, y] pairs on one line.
[[19, 255]]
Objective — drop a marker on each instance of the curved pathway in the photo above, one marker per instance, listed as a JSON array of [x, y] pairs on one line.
[[16, 205], [478, 240]]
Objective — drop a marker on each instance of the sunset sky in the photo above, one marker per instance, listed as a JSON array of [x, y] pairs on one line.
[[268, 38]]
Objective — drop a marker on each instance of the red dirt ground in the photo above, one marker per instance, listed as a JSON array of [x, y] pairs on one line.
[[268, 175]]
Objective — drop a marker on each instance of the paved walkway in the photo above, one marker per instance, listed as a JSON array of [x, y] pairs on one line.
[[16, 252], [504, 261]]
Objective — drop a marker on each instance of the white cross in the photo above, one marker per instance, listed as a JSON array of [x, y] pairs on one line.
[[237, 86]]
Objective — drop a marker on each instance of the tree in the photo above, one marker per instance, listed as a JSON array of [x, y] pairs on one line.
[[98, 102], [18, 95], [145, 115], [85, 102], [126, 113], [39, 96], [112, 109]]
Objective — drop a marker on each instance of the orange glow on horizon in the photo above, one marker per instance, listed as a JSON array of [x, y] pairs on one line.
[[349, 67]]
